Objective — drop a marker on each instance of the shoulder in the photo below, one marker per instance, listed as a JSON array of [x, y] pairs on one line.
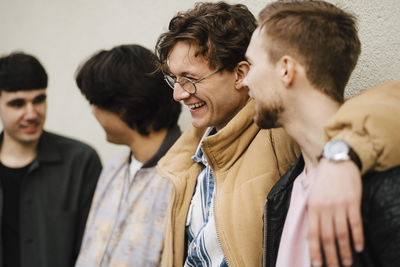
[[117, 161], [70, 152], [66, 143]]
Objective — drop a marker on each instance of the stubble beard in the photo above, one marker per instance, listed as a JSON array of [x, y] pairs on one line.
[[268, 117]]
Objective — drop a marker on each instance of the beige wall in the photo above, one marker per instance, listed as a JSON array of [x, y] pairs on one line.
[[63, 33]]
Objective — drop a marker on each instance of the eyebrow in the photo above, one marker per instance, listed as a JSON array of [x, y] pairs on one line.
[[185, 73]]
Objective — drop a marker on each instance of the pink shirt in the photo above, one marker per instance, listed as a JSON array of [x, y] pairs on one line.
[[293, 248]]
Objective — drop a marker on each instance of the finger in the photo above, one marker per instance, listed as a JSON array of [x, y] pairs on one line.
[[342, 237], [328, 239], [313, 239], [355, 222]]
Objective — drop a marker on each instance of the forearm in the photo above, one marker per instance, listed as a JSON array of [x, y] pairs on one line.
[[370, 124]]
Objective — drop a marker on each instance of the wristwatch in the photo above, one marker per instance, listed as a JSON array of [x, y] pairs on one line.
[[339, 150]]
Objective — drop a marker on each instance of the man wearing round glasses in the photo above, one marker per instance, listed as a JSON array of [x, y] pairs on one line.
[[223, 166], [214, 166]]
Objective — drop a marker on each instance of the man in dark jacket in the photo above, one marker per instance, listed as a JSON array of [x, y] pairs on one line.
[[301, 57], [47, 181]]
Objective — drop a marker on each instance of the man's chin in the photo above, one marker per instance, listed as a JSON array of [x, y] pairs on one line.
[[198, 123], [267, 120], [31, 137]]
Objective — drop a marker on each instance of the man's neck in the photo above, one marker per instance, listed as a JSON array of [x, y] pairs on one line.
[[15, 154], [145, 147], [305, 122]]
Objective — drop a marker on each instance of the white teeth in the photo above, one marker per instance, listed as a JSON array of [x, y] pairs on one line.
[[197, 105]]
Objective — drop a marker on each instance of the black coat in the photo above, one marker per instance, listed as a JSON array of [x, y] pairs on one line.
[[380, 213], [56, 194]]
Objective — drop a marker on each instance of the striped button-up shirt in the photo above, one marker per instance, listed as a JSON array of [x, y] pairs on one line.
[[203, 245]]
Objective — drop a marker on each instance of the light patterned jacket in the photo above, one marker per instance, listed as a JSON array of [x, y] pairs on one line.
[[126, 220]]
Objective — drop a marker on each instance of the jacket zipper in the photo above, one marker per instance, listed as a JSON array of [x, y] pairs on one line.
[[268, 248], [214, 205], [265, 233]]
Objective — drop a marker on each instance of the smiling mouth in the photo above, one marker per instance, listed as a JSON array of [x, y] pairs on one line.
[[30, 127], [195, 106]]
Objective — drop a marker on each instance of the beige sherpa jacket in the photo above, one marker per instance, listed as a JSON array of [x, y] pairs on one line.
[[245, 167]]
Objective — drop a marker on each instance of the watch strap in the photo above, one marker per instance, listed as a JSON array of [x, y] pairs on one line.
[[352, 156], [355, 158]]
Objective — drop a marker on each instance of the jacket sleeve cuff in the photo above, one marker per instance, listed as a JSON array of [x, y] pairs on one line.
[[361, 145]]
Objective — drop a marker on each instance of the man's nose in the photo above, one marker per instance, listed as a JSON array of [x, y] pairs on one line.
[[31, 112], [180, 93]]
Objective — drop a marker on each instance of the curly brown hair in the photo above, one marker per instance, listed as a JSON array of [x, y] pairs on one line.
[[221, 33]]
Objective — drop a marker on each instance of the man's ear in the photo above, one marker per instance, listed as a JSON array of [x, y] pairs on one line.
[[287, 67], [241, 71]]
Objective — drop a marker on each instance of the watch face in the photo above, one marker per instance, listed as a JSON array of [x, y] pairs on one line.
[[336, 150]]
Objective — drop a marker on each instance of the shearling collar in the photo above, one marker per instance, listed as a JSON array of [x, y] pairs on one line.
[[221, 149]]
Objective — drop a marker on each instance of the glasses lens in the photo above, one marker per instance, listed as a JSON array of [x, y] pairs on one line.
[[190, 87], [186, 84], [170, 81]]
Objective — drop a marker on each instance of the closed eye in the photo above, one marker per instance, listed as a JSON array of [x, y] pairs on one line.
[[190, 79]]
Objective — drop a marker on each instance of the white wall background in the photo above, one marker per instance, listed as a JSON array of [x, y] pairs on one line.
[[64, 33]]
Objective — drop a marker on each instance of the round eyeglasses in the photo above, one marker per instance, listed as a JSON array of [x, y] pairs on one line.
[[187, 84]]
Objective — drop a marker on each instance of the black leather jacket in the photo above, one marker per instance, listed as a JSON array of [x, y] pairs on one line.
[[380, 213]]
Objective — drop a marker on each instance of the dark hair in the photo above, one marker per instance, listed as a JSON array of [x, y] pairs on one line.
[[124, 80], [220, 31], [19, 71], [323, 37]]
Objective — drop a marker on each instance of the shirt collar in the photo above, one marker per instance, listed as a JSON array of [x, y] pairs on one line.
[[172, 135], [199, 155]]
